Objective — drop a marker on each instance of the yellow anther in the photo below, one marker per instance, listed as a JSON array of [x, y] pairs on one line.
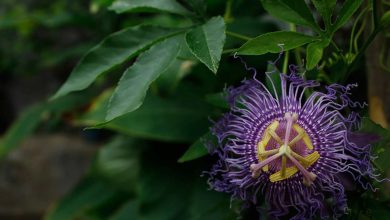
[[275, 136], [300, 158], [305, 137], [284, 151], [267, 136], [263, 143], [296, 139], [283, 170], [268, 153], [312, 158], [260, 151], [278, 175]]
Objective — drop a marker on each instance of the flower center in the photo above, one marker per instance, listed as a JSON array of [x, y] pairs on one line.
[[292, 152]]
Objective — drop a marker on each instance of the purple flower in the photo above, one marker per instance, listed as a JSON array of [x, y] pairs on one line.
[[292, 152]]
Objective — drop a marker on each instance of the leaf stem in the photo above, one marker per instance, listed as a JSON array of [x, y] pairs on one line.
[[229, 50], [239, 36]]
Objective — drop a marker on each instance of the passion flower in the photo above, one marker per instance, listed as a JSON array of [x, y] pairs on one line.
[[290, 150]]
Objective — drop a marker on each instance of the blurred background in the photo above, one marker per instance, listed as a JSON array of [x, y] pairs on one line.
[[52, 168]]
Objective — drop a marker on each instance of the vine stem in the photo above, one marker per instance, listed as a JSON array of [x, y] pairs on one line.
[[239, 36], [362, 50], [287, 54], [228, 11], [285, 62], [377, 28]]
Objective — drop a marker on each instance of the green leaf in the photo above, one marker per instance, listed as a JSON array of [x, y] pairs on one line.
[[206, 42], [128, 211], [171, 6], [382, 147], [273, 80], [269, 43], [169, 80], [197, 149], [90, 193], [348, 9], [325, 8], [218, 100], [118, 163], [385, 19], [111, 52], [134, 83], [218, 205], [176, 119], [294, 11], [374, 209], [165, 120], [21, 128], [198, 6], [371, 127], [29, 120], [314, 53]]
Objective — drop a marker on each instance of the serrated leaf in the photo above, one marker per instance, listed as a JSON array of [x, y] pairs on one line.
[[294, 11], [206, 42], [197, 149], [111, 52], [171, 6], [134, 83], [269, 43], [314, 53], [325, 8], [348, 9], [169, 80]]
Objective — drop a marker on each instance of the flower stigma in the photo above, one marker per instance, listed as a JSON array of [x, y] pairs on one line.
[[287, 156]]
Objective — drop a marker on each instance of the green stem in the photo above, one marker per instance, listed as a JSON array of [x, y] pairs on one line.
[[354, 28], [228, 11], [298, 57], [287, 54], [362, 50], [239, 36], [335, 46], [285, 62], [375, 14], [229, 50]]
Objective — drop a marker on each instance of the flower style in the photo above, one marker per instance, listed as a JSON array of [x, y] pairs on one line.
[[291, 151]]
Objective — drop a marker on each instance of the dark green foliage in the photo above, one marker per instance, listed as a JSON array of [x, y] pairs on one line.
[[156, 81]]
